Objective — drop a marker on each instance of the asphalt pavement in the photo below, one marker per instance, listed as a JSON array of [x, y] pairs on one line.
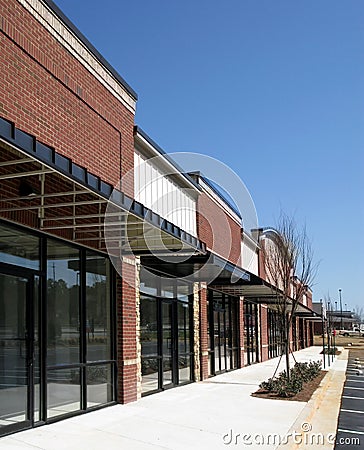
[[350, 431]]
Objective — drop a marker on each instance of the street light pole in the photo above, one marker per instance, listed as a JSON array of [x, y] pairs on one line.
[[323, 332], [341, 310], [328, 332]]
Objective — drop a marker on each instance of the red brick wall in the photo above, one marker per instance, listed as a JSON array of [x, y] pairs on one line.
[[126, 336], [49, 94], [46, 92], [221, 234]]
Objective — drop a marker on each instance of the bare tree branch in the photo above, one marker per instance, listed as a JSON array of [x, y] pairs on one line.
[[289, 267]]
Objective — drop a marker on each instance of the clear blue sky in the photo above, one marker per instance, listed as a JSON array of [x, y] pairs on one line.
[[273, 88]]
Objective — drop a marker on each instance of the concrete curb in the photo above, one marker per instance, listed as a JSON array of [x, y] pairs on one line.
[[317, 423]]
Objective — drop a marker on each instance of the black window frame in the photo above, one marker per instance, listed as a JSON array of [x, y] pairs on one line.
[[42, 324]]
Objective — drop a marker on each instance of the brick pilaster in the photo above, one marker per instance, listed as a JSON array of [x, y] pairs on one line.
[[127, 334]]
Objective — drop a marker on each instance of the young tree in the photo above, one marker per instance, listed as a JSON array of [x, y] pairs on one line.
[[289, 267]]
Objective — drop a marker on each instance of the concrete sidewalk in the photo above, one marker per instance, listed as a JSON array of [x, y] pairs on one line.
[[212, 414]]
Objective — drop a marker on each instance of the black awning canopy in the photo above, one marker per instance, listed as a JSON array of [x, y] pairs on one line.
[[62, 198]]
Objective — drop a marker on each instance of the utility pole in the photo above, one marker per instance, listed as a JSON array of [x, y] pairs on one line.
[[323, 332]]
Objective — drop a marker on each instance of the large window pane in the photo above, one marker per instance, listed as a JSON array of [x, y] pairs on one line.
[[149, 343], [184, 358], [19, 248], [13, 350], [98, 321], [99, 384], [183, 327], [63, 282], [167, 342], [148, 282], [63, 391], [36, 349]]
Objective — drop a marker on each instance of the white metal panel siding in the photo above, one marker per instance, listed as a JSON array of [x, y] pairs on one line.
[[162, 195], [304, 299], [249, 258]]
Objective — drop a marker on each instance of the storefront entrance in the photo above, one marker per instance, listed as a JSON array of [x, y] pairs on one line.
[[56, 329], [16, 350], [223, 332], [166, 334]]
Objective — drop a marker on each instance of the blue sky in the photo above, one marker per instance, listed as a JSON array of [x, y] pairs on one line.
[[274, 89]]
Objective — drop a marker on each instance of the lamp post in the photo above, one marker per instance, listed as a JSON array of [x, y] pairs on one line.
[[335, 323], [341, 310], [334, 335], [328, 332], [323, 332]]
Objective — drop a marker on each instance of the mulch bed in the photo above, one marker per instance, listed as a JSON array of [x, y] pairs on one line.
[[303, 396]]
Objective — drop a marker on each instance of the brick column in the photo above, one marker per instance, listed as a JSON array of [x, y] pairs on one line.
[[241, 331], [204, 372], [264, 333], [127, 333]]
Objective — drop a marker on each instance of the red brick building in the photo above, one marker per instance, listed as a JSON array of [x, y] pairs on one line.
[[116, 267]]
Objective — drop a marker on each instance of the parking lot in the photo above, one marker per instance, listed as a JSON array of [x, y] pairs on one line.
[[350, 431]]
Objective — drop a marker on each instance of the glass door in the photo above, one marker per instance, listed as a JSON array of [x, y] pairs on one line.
[[16, 349], [168, 344]]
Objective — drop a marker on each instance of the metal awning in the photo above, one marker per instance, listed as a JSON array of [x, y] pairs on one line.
[[305, 312], [49, 192], [196, 268]]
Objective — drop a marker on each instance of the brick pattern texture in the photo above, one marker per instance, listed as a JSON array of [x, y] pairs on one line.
[[46, 92]]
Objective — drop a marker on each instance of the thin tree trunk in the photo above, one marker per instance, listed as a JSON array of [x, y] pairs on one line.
[[287, 361]]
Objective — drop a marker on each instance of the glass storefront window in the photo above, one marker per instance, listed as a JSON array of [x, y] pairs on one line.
[[19, 248], [183, 292], [149, 343], [165, 334], [98, 321], [99, 384], [148, 282], [63, 288], [168, 287], [74, 296], [222, 332], [251, 355], [63, 391]]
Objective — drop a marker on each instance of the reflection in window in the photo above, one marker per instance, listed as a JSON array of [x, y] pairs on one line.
[[222, 333], [63, 391], [148, 282], [184, 357], [98, 330], [63, 283], [149, 343], [19, 248], [99, 384]]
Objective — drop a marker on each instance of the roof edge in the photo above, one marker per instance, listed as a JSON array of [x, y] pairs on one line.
[[90, 47]]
